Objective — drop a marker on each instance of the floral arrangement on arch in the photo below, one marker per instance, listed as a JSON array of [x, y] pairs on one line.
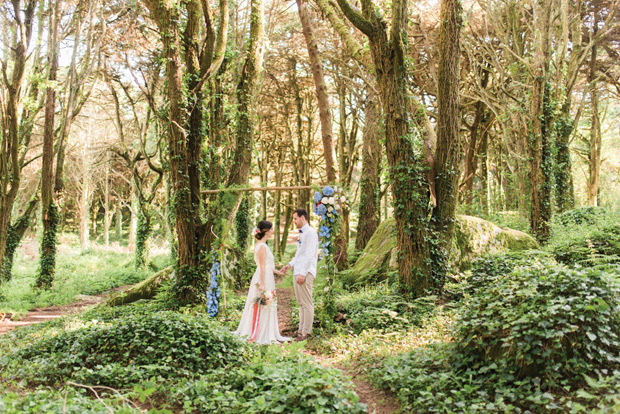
[[329, 204]]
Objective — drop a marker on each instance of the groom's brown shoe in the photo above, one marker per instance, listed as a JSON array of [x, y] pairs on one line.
[[296, 334], [301, 337]]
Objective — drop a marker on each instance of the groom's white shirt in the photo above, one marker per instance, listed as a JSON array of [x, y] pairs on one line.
[[307, 254]]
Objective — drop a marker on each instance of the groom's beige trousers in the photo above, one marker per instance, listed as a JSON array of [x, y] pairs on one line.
[[303, 293]]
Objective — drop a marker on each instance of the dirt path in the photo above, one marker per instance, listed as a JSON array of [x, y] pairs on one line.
[[378, 401], [52, 312]]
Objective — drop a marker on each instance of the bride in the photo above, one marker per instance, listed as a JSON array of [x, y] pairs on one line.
[[259, 322]]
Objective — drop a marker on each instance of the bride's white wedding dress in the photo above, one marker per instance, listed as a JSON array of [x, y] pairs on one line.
[[260, 323]]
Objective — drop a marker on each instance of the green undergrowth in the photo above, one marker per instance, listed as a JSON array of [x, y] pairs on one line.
[[588, 236], [531, 336], [91, 272], [144, 356], [383, 310]]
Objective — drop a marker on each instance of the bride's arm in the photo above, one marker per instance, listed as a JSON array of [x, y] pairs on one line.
[[261, 266]]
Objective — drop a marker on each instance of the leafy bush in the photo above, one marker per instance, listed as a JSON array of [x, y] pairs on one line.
[[64, 401], [525, 341], [131, 349], [551, 323], [582, 215], [587, 236], [285, 386], [489, 268], [386, 312]]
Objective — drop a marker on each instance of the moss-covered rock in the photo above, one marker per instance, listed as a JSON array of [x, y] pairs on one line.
[[146, 289], [376, 259], [473, 237]]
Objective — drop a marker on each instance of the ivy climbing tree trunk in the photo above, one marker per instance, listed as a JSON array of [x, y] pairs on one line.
[[49, 211], [405, 168], [15, 234], [449, 140], [370, 205], [12, 90], [539, 140]]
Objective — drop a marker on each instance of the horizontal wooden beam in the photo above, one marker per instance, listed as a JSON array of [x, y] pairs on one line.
[[306, 187]]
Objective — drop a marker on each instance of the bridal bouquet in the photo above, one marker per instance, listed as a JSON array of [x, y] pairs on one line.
[[266, 297]]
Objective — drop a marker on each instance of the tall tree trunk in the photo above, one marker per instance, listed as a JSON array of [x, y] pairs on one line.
[[449, 141], [106, 205], [540, 201], [299, 159], [406, 171], [15, 234], [594, 153], [484, 174], [471, 155], [84, 211], [194, 237], [49, 211], [564, 190], [325, 114], [10, 166], [119, 220], [370, 204]]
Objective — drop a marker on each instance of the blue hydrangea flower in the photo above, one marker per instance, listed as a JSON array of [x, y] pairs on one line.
[[317, 196], [328, 191], [321, 210], [324, 231]]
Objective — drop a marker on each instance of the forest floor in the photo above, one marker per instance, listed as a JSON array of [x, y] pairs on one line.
[[377, 400], [7, 323]]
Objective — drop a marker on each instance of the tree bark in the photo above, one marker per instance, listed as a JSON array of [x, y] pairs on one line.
[[10, 166], [540, 201], [449, 141], [15, 234], [594, 153], [406, 171], [49, 209], [370, 204], [325, 114], [472, 153]]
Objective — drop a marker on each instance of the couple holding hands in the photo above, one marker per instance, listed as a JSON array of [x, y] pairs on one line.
[[259, 321]]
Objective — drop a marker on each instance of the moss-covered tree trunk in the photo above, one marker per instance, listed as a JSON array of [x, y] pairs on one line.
[[49, 211], [15, 234], [405, 169], [449, 141], [10, 165], [370, 205], [539, 140]]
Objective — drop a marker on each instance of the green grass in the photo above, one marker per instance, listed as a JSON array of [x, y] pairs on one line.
[[89, 272]]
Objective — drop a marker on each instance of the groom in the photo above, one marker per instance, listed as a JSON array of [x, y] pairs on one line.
[[304, 271]]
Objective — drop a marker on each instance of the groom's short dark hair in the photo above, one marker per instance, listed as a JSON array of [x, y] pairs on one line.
[[301, 212]]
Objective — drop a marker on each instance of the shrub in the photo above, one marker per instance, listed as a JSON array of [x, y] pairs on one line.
[[284, 386], [488, 269], [525, 341], [552, 323], [587, 236], [132, 349], [63, 401], [386, 312], [582, 215]]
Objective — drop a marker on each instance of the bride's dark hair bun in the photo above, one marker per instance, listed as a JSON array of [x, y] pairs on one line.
[[261, 228]]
